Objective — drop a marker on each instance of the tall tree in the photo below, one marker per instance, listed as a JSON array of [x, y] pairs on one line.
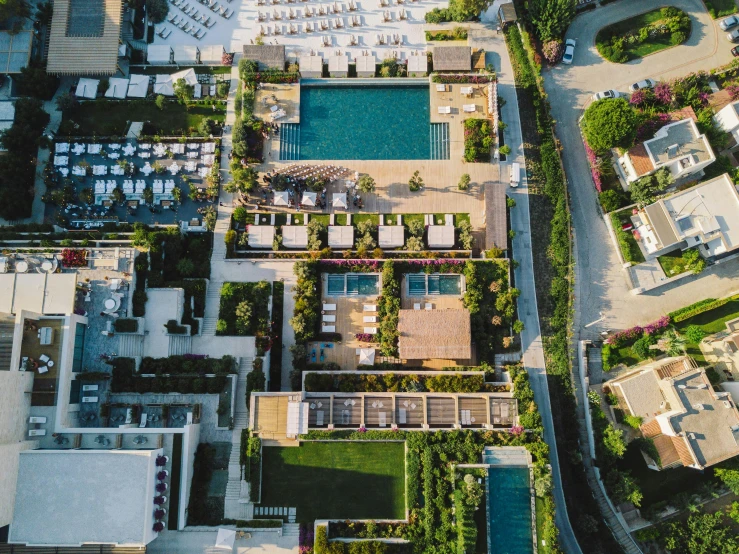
[[609, 123], [551, 17], [14, 8], [703, 534], [157, 10], [463, 10]]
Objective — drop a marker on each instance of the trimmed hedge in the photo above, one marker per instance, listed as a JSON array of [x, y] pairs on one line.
[[188, 364], [389, 382], [126, 325], [275, 360], [254, 523], [699, 307]]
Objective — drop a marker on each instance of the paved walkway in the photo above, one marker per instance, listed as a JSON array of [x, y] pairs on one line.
[[601, 290], [202, 542], [533, 352]]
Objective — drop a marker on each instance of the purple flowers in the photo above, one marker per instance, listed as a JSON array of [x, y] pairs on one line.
[[663, 93], [158, 527], [618, 339], [159, 500], [158, 514], [161, 487], [651, 126], [162, 475], [365, 337], [306, 538], [471, 79], [362, 429], [161, 461], [638, 98], [516, 430], [733, 91], [594, 162], [703, 97], [552, 51]]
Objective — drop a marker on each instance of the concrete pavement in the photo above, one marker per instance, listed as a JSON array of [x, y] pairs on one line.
[[602, 295], [531, 343]]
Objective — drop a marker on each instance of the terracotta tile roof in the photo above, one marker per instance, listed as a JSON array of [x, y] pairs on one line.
[[683, 113], [668, 455], [640, 160], [683, 450], [651, 429]]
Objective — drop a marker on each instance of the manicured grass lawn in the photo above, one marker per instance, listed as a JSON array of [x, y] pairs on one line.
[[105, 118], [459, 218], [650, 46], [673, 263], [711, 322], [543, 549], [340, 219], [336, 480], [407, 218], [322, 218], [358, 218], [720, 8]]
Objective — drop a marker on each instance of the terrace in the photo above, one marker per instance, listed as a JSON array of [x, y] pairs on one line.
[[133, 182], [43, 359]]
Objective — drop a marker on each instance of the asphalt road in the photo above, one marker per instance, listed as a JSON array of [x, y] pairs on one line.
[[603, 300]]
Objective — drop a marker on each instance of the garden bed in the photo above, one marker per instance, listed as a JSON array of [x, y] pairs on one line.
[[720, 8], [478, 140], [643, 34], [244, 309], [626, 242], [458, 33]]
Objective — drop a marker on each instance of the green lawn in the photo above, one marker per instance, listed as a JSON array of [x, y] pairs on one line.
[[407, 218], [322, 218], [105, 118], [673, 263], [720, 8], [711, 322], [340, 219], [336, 480], [626, 241], [358, 218], [634, 51], [543, 549]]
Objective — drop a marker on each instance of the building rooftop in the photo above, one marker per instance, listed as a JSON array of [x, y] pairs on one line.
[[71, 497], [294, 236], [452, 58], [435, 334], [338, 63], [341, 236], [15, 50], [496, 225], [38, 292], [366, 64], [84, 37], [261, 236], [440, 236], [270, 56], [676, 141]]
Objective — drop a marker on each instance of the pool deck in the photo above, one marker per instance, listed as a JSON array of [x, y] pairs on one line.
[[288, 98]]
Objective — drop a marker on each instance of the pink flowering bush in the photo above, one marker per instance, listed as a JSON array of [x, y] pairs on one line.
[[306, 539], [628, 335], [552, 50], [594, 162], [365, 337], [733, 91], [663, 93], [227, 58], [647, 129], [74, 258], [638, 98], [516, 430]]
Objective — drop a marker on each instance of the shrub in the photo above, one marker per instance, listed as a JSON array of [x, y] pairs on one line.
[[633, 421], [609, 123], [699, 307], [139, 303], [464, 182], [694, 333], [552, 51], [612, 200], [123, 325]]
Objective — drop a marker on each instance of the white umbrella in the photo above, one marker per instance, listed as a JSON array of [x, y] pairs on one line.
[[309, 198], [226, 539], [281, 198], [367, 356], [339, 200]]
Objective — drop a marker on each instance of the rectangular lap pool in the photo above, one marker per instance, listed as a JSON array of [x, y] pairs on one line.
[[421, 284], [509, 510], [364, 122], [353, 284]]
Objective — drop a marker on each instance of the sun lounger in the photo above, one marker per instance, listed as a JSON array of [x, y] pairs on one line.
[[467, 91], [89, 388], [200, 34], [329, 307], [469, 108], [37, 432], [319, 418], [370, 319], [329, 318], [417, 306], [440, 88], [369, 308], [401, 416], [143, 420], [428, 306], [370, 330], [449, 219], [445, 109], [89, 399], [382, 416], [37, 419], [328, 329]]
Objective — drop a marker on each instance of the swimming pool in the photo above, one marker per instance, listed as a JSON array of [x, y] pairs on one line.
[[364, 122], [421, 284], [353, 284], [509, 510]]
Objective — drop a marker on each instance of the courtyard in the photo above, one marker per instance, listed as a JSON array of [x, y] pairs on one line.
[[336, 480]]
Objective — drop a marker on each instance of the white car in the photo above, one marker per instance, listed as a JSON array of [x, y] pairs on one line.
[[569, 51], [733, 36], [646, 83], [728, 23], [606, 94]]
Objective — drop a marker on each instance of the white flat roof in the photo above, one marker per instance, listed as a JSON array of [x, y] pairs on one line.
[[261, 236], [60, 293], [211, 54], [7, 288], [441, 236], [71, 497], [158, 53], [184, 53], [338, 63], [418, 64], [117, 88], [391, 236], [29, 292], [341, 236], [51, 294], [294, 236], [311, 63], [366, 64]]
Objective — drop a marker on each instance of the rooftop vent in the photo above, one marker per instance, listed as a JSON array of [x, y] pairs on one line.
[[673, 150], [691, 436]]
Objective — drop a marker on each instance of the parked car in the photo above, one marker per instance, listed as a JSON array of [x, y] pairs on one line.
[[646, 83], [733, 36], [735, 51], [606, 94], [570, 44], [728, 23]]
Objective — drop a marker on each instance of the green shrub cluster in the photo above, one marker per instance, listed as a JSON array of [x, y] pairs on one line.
[[323, 546], [626, 242], [173, 256], [458, 33], [188, 364], [478, 139], [255, 380], [199, 510], [307, 294], [699, 307], [124, 379], [727, 10], [126, 325], [390, 382], [251, 459], [275, 360], [388, 309], [244, 309]]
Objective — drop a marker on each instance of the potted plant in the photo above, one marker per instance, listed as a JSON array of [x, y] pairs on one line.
[[162, 475], [158, 527], [159, 500], [162, 460], [161, 487], [159, 513]]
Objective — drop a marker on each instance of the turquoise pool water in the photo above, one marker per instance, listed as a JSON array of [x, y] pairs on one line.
[[353, 284], [509, 510], [422, 284], [364, 122]]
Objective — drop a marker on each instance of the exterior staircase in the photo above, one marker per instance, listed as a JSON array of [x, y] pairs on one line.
[[291, 529], [179, 345], [130, 346], [237, 505], [212, 306]]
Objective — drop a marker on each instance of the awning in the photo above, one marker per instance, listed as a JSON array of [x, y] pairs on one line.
[[225, 539], [188, 75], [138, 86], [87, 88], [281, 198], [297, 419], [339, 200], [164, 85], [367, 356], [309, 198], [117, 88]]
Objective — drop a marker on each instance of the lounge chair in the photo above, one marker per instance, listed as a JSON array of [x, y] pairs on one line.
[[428, 307], [200, 34], [401, 416], [445, 109], [165, 34], [469, 108], [417, 306], [440, 88]]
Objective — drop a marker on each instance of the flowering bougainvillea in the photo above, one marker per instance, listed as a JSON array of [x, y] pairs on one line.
[[618, 339], [594, 163], [663, 93], [638, 98], [733, 91], [74, 258], [552, 51]]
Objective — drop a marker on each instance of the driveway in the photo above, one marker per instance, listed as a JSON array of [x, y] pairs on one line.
[[603, 300]]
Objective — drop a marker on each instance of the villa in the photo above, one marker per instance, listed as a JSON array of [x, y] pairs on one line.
[[727, 119], [690, 423], [678, 146], [704, 216]]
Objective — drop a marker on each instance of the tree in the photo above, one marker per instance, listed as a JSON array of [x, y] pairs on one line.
[[464, 182], [551, 17], [148, 195], [729, 477], [243, 317], [633, 421], [518, 326], [609, 123], [14, 8], [613, 440], [366, 183], [694, 261], [118, 196], [177, 194], [183, 91], [416, 227], [66, 102], [505, 150], [701, 534], [543, 484], [643, 191], [159, 101], [733, 511], [207, 127], [243, 180], [695, 333], [673, 343], [415, 183], [35, 82], [464, 10], [185, 267], [611, 200], [624, 488], [157, 10], [414, 244]]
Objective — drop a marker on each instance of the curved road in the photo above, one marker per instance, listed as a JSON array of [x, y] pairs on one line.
[[603, 300]]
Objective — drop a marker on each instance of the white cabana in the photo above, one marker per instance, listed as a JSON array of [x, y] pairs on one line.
[[341, 236], [261, 236], [311, 67], [297, 418], [418, 66], [117, 88], [281, 198], [138, 86], [338, 66], [366, 66], [225, 539], [441, 236], [339, 200], [212, 54], [87, 88], [309, 199], [185, 54], [294, 236], [390, 236], [187, 74], [366, 356], [164, 85], [159, 54]]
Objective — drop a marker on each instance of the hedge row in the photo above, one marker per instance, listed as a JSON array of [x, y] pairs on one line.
[[389, 382], [124, 379], [275, 360], [188, 364], [700, 307]]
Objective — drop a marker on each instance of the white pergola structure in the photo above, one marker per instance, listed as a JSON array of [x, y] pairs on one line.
[[311, 67], [87, 88], [138, 86], [295, 236], [339, 200], [341, 236], [281, 198], [391, 236], [261, 236], [117, 88], [159, 54], [185, 54], [441, 236]]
